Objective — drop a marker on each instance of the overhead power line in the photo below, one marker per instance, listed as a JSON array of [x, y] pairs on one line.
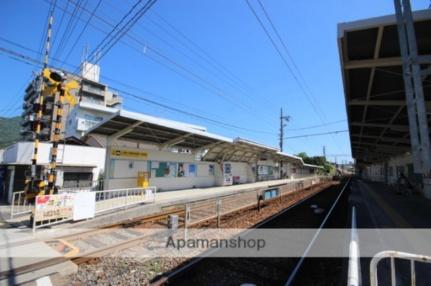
[[286, 63], [70, 27], [178, 68], [317, 126], [36, 62], [316, 134], [119, 31], [82, 30], [309, 96], [283, 44]]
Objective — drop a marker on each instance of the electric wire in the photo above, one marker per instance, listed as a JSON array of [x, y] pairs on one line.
[[281, 55], [104, 47], [192, 75], [82, 30], [316, 134], [318, 112], [32, 61], [283, 44], [66, 32]]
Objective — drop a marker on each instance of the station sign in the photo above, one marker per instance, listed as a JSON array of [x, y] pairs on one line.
[[129, 153]]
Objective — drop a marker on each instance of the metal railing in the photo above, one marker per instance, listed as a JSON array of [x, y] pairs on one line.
[[392, 255], [114, 199], [104, 201], [19, 205], [213, 208], [81, 186]]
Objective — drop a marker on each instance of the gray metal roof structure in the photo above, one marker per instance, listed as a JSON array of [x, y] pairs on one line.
[[239, 150], [165, 133], [373, 84]]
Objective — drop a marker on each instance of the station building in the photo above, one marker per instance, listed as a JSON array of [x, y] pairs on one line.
[[175, 155], [113, 148], [105, 146]]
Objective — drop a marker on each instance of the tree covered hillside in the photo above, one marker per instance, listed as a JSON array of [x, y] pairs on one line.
[[9, 130]]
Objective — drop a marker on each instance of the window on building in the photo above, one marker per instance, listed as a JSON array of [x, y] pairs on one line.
[[211, 170], [77, 179], [163, 169]]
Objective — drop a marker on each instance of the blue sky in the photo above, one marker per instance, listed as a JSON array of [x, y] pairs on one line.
[[245, 80]]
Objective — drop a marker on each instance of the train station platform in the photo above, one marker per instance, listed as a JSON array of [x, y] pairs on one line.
[[163, 200], [167, 199], [380, 207]]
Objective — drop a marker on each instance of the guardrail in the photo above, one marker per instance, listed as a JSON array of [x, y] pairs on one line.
[[19, 205], [213, 208], [79, 187], [392, 254], [123, 198], [59, 208]]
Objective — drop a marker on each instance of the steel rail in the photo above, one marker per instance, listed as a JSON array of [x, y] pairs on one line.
[[165, 278], [301, 260]]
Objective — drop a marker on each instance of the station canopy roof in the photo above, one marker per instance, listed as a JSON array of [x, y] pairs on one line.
[[140, 127], [373, 84], [239, 150], [124, 124]]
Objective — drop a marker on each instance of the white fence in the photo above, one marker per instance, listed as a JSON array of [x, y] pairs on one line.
[[20, 205], [123, 198], [392, 255], [54, 209], [79, 187]]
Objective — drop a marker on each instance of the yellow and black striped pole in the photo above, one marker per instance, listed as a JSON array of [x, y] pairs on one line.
[[55, 140], [30, 184]]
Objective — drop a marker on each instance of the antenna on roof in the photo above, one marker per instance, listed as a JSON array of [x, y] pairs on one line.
[[84, 53]]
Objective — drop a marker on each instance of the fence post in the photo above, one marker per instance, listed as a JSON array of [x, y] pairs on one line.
[[12, 206], [259, 199], [126, 197], [186, 221], [218, 210]]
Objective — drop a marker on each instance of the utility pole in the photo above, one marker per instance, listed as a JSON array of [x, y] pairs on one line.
[[283, 119], [324, 152], [417, 116]]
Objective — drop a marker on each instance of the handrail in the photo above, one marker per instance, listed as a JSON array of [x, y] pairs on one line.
[[392, 254]]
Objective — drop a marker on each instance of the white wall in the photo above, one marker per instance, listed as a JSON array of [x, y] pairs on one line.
[[68, 155], [376, 172], [124, 171]]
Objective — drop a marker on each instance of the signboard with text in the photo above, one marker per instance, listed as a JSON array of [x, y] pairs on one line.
[[129, 153], [50, 207]]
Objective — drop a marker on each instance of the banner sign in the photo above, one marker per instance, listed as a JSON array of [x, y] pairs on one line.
[[136, 154], [49, 207]]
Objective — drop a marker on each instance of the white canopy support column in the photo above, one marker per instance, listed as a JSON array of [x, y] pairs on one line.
[[109, 142]]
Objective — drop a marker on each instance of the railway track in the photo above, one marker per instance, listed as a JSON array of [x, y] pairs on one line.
[[86, 246], [267, 271]]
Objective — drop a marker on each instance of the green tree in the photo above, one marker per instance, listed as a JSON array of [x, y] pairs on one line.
[[9, 130]]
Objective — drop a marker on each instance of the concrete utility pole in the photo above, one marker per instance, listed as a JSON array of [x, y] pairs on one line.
[[283, 119], [418, 124], [324, 152]]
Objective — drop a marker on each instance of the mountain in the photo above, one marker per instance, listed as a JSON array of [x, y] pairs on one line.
[[9, 130]]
